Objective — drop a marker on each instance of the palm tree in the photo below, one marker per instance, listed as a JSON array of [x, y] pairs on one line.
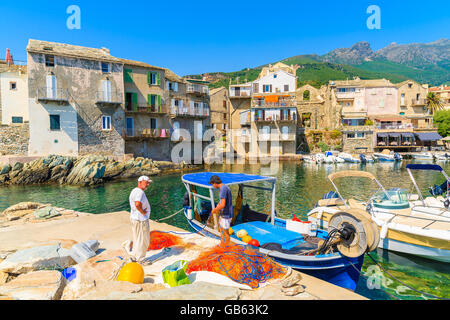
[[434, 103]]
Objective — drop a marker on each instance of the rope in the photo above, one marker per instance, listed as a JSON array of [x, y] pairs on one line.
[[418, 291], [169, 216]]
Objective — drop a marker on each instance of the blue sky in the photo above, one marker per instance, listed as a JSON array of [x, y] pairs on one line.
[[192, 37]]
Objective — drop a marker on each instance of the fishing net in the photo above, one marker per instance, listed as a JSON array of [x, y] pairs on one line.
[[240, 263], [159, 240]]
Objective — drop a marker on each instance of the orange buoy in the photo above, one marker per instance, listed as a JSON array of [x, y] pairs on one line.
[[131, 272], [246, 239]]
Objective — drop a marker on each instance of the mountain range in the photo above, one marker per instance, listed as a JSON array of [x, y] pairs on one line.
[[422, 62]]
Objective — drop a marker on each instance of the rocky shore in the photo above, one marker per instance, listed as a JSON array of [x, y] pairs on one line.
[[84, 171]]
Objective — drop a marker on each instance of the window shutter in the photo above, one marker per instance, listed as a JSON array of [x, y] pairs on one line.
[[158, 78], [128, 75], [149, 99], [134, 99], [167, 85], [159, 103], [270, 88], [149, 77], [51, 86], [176, 86]]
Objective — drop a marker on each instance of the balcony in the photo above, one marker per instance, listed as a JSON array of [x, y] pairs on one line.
[[146, 134], [261, 103], [276, 118], [398, 126], [196, 88], [189, 112], [56, 95], [107, 98], [240, 94], [276, 136], [419, 102], [146, 108]]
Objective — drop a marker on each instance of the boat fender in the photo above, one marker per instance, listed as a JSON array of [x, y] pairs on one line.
[[384, 230]]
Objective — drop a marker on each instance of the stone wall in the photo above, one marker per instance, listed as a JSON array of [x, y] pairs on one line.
[[14, 139], [358, 145]]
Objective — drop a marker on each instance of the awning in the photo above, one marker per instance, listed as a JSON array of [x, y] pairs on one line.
[[428, 136], [407, 134], [382, 135], [394, 134]]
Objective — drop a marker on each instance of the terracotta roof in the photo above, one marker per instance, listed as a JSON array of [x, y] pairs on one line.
[[214, 91], [139, 64], [363, 83], [4, 67], [438, 88], [171, 76], [68, 50]]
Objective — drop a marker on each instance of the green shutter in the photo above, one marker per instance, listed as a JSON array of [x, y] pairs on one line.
[[149, 78], [159, 102], [128, 75], [158, 78], [134, 99]]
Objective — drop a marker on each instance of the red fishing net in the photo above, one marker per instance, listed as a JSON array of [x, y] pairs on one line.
[[242, 264], [159, 240]]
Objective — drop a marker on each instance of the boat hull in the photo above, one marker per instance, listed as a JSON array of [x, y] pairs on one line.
[[333, 268]]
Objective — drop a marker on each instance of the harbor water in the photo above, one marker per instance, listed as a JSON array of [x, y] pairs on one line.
[[299, 186]]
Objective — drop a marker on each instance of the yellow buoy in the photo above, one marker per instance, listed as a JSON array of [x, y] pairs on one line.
[[241, 233], [131, 272], [230, 231], [246, 239]]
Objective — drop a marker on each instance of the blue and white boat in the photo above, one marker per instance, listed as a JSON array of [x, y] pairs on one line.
[[347, 157], [391, 156], [277, 238]]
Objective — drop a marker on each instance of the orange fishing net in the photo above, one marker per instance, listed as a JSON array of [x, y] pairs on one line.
[[159, 240], [242, 264]]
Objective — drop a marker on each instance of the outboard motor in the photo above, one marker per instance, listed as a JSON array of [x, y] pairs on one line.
[[397, 157], [363, 159]]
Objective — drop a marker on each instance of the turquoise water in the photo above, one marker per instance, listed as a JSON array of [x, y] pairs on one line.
[[299, 186]]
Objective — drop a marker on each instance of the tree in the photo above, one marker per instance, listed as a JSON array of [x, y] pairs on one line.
[[434, 103], [442, 118]]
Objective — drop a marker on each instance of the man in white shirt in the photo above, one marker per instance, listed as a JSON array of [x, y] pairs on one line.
[[139, 215]]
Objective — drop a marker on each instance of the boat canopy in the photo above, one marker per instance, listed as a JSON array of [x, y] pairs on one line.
[[351, 173], [202, 178], [418, 166]]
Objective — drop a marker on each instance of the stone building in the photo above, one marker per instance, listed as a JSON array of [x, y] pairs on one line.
[[219, 103], [75, 100], [147, 127]]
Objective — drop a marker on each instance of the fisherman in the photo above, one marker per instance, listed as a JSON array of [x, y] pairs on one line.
[[224, 209], [139, 216]]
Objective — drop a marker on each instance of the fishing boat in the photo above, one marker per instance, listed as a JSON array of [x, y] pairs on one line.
[[442, 156], [387, 155], [347, 157], [422, 156], [282, 239], [312, 159], [403, 227], [366, 158], [329, 157]]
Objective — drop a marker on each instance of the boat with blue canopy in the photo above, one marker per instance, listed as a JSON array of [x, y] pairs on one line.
[[334, 254]]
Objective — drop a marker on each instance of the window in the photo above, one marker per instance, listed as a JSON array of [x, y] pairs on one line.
[[49, 61], [128, 75], [106, 67], [153, 78], [12, 85], [17, 119], [360, 135], [409, 85], [267, 88], [275, 76], [55, 123], [286, 87], [355, 135], [176, 102], [351, 135], [152, 123], [106, 122]]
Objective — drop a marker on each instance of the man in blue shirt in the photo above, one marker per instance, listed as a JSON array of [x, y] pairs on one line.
[[224, 208]]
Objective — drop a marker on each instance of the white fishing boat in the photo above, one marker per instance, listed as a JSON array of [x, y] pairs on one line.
[[441, 156], [366, 158], [347, 157], [422, 156], [329, 158], [403, 228], [312, 159], [387, 155]]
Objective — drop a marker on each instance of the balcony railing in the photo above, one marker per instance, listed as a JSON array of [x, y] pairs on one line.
[[240, 94], [281, 103], [276, 117], [48, 94], [107, 97], [187, 111], [395, 126], [419, 102], [146, 108], [195, 88], [146, 133]]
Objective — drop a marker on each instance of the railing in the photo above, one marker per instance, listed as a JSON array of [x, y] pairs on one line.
[[147, 133], [419, 102], [195, 88], [187, 111], [280, 103], [52, 94], [396, 126], [240, 94], [263, 136], [146, 108], [275, 118], [108, 97]]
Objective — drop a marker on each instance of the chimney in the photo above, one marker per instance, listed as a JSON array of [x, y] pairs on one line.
[[9, 60], [105, 50]]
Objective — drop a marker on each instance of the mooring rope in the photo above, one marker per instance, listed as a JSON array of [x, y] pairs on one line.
[[172, 215]]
